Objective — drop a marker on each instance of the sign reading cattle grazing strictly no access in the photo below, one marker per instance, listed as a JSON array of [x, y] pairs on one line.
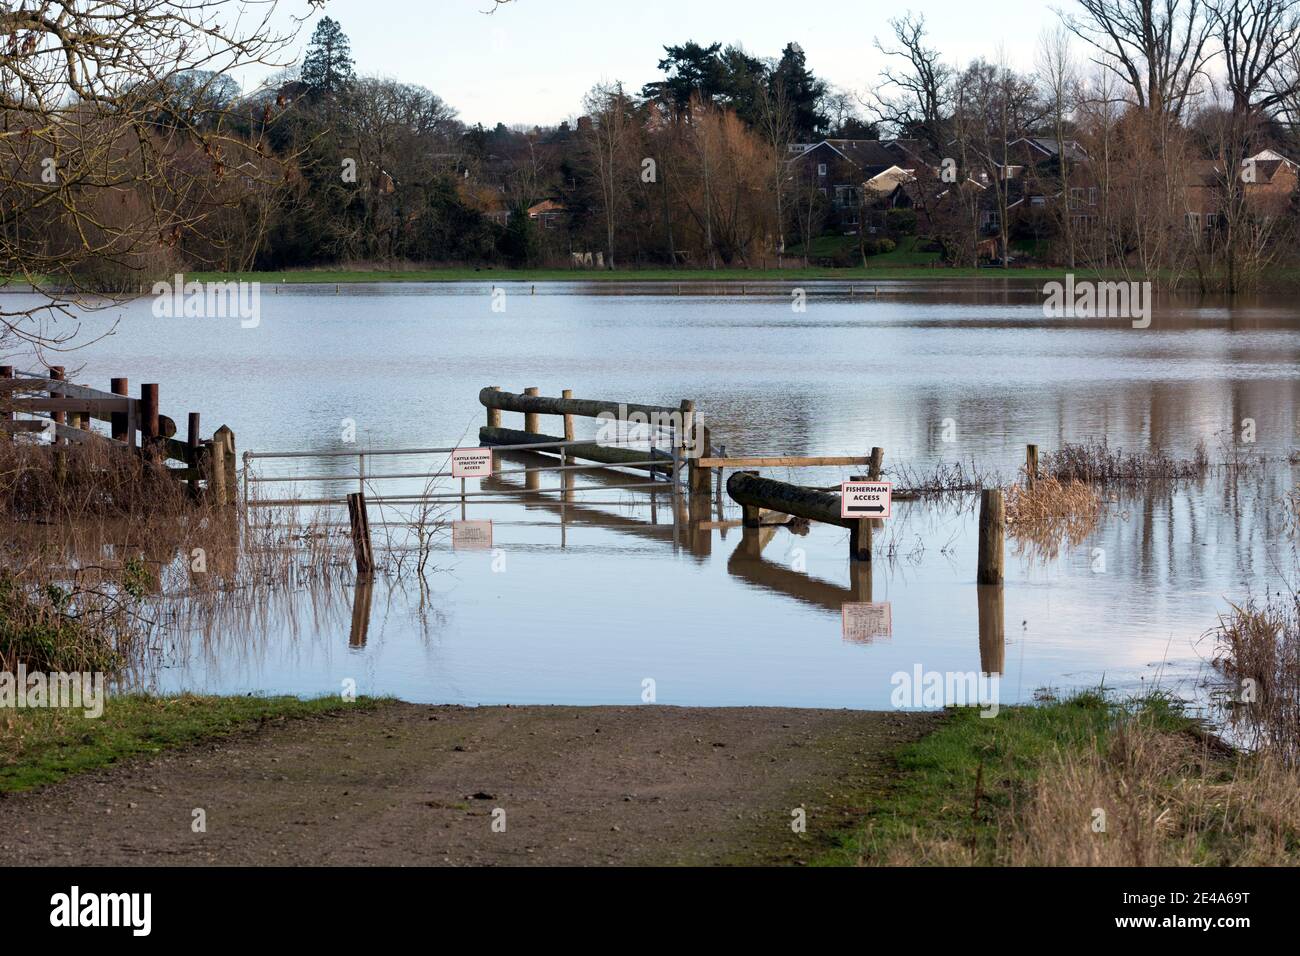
[[471, 535], [866, 499], [471, 463]]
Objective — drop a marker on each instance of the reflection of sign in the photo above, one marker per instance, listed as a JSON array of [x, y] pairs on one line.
[[471, 463], [866, 499], [471, 535], [865, 623]]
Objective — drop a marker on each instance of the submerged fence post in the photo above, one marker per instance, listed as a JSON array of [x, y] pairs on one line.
[[860, 530], [118, 429], [192, 454], [993, 526], [494, 414], [58, 373], [877, 466], [568, 419], [360, 523], [6, 413], [149, 425], [1031, 465], [217, 470], [751, 516], [231, 466], [533, 421]]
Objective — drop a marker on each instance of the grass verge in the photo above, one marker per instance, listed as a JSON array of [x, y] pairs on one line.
[[42, 746], [1031, 786]]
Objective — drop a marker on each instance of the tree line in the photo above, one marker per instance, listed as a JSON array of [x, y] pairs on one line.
[[172, 166]]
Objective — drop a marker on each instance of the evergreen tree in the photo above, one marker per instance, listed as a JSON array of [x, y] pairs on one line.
[[327, 67], [804, 93]]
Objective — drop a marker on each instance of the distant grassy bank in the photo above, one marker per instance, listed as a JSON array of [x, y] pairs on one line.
[[736, 276], [1087, 781]]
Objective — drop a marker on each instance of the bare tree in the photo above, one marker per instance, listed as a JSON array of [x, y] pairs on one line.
[[1058, 77], [115, 121], [776, 119], [922, 87], [613, 129], [1157, 48]]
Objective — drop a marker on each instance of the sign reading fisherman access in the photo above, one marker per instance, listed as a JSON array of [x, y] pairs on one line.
[[866, 499], [471, 463]]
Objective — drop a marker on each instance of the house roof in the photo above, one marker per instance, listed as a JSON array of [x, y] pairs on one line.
[[1048, 146], [888, 180], [872, 156]]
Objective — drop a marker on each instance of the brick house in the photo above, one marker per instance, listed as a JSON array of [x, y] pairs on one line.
[[854, 174]]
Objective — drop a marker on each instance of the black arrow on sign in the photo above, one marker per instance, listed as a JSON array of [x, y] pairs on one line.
[[879, 508]]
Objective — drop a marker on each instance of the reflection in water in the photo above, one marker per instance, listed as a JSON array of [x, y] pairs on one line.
[[992, 628], [593, 597]]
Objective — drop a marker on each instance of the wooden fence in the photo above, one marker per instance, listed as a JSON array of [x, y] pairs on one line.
[[66, 411]]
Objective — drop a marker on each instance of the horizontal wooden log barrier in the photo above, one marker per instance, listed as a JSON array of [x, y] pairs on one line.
[[583, 407], [605, 454], [100, 408], [754, 493], [782, 461]]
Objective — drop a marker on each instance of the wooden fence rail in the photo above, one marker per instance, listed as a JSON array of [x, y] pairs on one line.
[[532, 405], [67, 409]]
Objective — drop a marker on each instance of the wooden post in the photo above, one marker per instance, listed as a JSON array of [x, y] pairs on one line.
[[722, 453], [58, 373], [217, 471], [194, 454], [6, 414], [360, 523], [494, 414], [118, 426], [149, 428], [860, 531], [532, 421], [751, 516], [1031, 465], [701, 478], [568, 419], [992, 531], [231, 463], [877, 464]]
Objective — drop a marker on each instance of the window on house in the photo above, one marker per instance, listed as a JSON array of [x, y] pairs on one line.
[[1077, 194], [1092, 195], [821, 169]]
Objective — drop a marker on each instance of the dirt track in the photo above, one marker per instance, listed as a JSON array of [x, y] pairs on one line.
[[408, 784]]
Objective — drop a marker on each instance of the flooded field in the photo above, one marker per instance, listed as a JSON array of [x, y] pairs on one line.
[[586, 603]]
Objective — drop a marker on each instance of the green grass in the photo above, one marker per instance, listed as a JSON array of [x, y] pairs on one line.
[[932, 799], [42, 746], [880, 269]]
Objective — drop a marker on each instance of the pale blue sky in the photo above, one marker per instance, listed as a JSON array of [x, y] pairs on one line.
[[532, 60]]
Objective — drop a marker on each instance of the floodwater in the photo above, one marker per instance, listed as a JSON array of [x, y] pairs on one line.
[[587, 603]]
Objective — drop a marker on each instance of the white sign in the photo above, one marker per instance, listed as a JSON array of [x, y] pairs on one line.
[[866, 499], [471, 463], [471, 535], [865, 623]]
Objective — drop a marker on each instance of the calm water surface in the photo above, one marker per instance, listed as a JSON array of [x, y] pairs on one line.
[[583, 610]]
